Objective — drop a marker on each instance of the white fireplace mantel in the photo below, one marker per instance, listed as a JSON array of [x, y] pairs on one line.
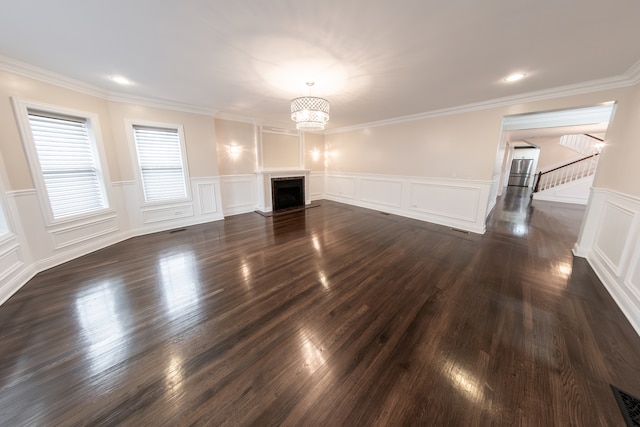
[[264, 176]]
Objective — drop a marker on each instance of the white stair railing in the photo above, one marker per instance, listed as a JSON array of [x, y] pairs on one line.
[[567, 173]]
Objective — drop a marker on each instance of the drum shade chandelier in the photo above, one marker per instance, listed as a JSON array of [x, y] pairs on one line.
[[310, 112]]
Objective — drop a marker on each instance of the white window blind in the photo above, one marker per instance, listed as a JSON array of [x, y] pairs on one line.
[[161, 164], [68, 164]]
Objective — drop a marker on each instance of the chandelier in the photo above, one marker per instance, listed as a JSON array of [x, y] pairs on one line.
[[310, 112]]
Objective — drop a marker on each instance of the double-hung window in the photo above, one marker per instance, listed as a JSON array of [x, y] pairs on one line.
[[161, 163], [65, 161], [68, 164]]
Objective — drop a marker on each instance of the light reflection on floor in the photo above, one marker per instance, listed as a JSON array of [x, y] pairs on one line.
[[102, 327], [312, 353], [180, 284], [463, 380]]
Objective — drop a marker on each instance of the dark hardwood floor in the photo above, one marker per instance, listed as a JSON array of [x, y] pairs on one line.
[[331, 316]]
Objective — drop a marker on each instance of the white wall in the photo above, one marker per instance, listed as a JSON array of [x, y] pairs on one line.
[[281, 151], [552, 154]]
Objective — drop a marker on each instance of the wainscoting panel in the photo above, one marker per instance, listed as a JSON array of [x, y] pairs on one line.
[[612, 236], [455, 203], [25, 206], [206, 198], [610, 240], [381, 191], [10, 258], [82, 231], [316, 185], [633, 278], [15, 258], [238, 194], [343, 187], [449, 201], [13, 269], [204, 207], [167, 213]]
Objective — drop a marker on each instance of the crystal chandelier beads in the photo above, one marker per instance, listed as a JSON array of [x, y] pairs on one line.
[[310, 112]]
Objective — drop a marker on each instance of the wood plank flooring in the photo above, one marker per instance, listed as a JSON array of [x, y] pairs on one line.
[[331, 316]]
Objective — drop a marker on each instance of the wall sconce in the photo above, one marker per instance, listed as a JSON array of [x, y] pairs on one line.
[[234, 151], [315, 154]]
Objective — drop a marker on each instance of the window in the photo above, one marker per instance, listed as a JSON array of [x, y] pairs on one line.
[[161, 163], [68, 162]]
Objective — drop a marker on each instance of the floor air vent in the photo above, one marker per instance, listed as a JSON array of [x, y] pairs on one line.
[[459, 231], [629, 405]]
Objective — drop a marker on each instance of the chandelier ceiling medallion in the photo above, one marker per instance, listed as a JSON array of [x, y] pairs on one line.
[[310, 112]]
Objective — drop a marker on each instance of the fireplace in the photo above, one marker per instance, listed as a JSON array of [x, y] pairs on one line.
[[287, 192], [266, 191]]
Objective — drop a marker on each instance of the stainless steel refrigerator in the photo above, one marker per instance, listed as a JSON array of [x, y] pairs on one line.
[[520, 172]]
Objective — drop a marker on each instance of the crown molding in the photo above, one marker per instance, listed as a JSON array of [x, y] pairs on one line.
[[159, 103], [278, 127], [634, 73], [237, 118], [279, 130], [563, 91], [46, 76]]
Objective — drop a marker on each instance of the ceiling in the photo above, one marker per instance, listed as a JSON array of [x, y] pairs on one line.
[[372, 60]]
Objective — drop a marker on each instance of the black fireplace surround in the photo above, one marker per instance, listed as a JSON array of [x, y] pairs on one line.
[[287, 192]]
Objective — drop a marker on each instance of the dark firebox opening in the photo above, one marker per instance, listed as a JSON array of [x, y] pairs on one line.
[[287, 192]]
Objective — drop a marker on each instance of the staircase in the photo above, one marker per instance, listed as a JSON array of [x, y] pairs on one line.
[[571, 182], [564, 174]]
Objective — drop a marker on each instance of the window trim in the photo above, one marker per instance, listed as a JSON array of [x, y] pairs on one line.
[[130, 124], [22, 107]]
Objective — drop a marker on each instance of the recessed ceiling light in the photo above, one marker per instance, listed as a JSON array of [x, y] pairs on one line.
[[515, 77], [121, 80]]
